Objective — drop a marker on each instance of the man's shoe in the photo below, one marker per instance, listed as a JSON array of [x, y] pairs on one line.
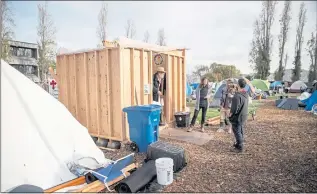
[[237, 150]]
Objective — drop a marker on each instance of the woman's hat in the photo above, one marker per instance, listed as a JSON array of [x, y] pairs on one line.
[[160, 69]]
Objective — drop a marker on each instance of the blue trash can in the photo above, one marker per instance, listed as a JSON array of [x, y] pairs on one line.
[[143, 125]]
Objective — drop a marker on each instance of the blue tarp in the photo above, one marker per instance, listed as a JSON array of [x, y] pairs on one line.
[[194, 86], [310, 101], [188, 90], [275, 84]]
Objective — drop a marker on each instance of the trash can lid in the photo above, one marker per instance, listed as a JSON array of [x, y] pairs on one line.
[[181, 113], [150, 107]]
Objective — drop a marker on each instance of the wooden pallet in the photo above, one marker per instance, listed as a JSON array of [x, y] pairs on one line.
[[94, 187], [213, 121]]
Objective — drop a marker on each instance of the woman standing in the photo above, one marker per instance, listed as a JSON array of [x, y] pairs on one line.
[[203, 92]]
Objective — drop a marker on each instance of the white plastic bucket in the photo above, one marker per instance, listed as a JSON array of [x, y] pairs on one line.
[[164, 170]]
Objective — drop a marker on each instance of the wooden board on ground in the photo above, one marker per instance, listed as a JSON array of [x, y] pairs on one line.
[[94, 187], [98, 186], [193, 137]]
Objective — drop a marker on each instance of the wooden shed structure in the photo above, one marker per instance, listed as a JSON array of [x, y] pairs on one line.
[[95, 85]]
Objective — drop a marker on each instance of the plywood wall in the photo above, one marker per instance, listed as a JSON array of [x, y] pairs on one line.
[[90, 87], [95, 86]]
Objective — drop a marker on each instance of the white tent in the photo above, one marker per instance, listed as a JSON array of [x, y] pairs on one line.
[[297, 86], [39, 136]]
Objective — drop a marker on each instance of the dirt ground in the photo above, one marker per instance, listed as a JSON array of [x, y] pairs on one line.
[[280, 156]]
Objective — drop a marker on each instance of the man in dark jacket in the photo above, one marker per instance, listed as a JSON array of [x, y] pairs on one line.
[[239, 113], [159, 87]]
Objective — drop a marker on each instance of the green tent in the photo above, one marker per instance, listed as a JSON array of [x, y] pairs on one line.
[[261, 84]]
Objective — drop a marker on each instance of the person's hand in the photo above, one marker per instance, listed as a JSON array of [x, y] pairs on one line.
[[160, 93]]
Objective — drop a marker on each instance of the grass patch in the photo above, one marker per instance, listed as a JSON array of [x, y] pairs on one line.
[[213, 112]]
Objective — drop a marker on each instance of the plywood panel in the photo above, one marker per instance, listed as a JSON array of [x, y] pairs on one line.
[[104, 82], [169, 85], [178, 83], [145, 76], [174, 81], [183, 62], [62, 79], [81, 83], [150, 61], [92, 94], [116, 97], [72, 86], [127, 100], [181, 86], [137, 79]]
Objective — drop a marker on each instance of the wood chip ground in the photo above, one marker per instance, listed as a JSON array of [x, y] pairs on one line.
[[281, 156]]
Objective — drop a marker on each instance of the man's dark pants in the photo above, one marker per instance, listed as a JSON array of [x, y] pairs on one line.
[[237, 128]]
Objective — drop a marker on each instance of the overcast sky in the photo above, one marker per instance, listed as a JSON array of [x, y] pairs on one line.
[[214, 31]]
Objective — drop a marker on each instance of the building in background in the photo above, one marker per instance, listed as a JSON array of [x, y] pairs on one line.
[[24, 58]]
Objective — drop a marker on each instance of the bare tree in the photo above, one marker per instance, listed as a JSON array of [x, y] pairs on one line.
[[312, 51], [284, 22], [161, 39], [299, 42], [130, 30], [103, 21], [46, 39], [146, 36], [260, 54], [7, 25]]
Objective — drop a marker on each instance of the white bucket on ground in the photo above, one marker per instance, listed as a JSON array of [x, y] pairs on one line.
[[164, 170]]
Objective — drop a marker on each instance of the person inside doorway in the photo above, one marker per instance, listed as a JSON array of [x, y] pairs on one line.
[[203, 93], [159, 87]]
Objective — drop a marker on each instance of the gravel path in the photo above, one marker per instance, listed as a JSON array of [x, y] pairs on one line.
[[280, 156]]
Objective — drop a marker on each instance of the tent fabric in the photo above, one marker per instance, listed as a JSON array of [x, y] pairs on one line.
[[310, 102], [194, 85], [39, 136], [297, 86], [188, 90], [276, 84], [261, 84], [304, 96], [289, 104]]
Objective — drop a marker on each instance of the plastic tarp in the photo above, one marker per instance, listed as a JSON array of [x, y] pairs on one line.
[[188, 90], [310, 102], [261, 84], [39, 136], [297, 86], [194, 85]]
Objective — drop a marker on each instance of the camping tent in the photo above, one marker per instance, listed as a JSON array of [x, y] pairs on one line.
[[261, 84], [297, 86], [39, 136], [288, 104], [275, 85], [311, 101], [216, 99]]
